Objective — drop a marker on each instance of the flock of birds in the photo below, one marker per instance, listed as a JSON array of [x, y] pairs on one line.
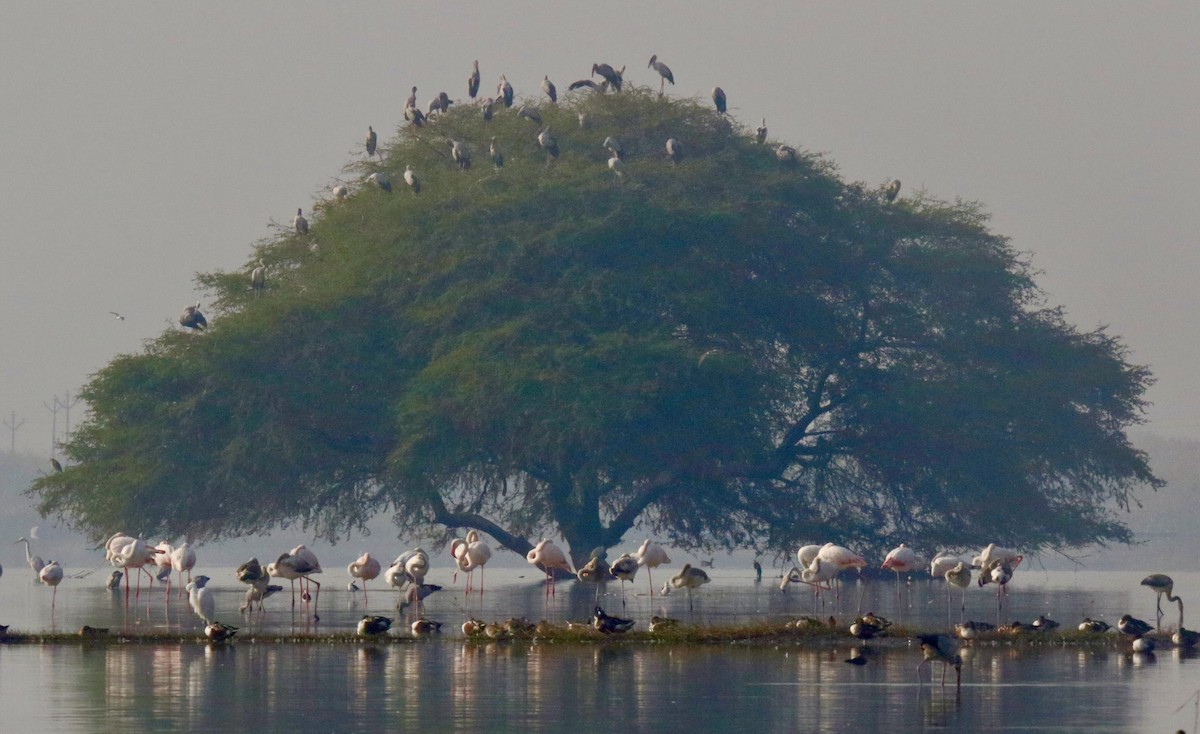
[[610, 80]]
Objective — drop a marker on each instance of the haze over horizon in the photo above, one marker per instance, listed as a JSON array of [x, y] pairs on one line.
[[142, 143]]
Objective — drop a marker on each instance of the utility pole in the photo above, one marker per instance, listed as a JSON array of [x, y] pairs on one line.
[[12, 425], [67, 404], [53, 408]]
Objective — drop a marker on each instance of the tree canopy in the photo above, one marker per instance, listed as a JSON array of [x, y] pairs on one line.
[[739, 349]]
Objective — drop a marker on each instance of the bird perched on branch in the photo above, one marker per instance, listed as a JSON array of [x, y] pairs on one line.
[[192, 318], [718, 96], [549, 88], [473, 81], [663, 70], [612, 76]]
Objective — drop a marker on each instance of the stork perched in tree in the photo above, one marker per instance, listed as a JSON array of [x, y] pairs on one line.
[[584, 84], [504, 91], [258, 277], [192, 318], [414, 115], [760, 134], [530, 113], [473, 81], [412, 100], [663, 70], [299, 223], [549, 88], [613, 146], [674, 150], [497, 156], [372, 141], [612, 76], [381, 181], [891, 190], [460, 154], [718, 96], [488, 109], [548, 143], [411, 179]]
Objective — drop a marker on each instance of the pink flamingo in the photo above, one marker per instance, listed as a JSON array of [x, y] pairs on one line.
[[902, 560], [547, 556], [651, 555], [366, 568], [475, 554]]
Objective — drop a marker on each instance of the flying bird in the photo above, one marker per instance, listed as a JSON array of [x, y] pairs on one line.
[[583, 84], [117, 316], [663, 70]]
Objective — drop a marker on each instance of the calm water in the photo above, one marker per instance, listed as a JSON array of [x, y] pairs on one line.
[[443, 684]]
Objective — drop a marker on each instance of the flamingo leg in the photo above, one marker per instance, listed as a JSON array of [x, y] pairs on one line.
[[481, 582]]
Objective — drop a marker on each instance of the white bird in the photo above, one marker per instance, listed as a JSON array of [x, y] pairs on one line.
[[191, 318], [201, 599], [625, 569], [549, 88], [689, 578], [616, 165], [475, 555], [162, 559], [410, 178], [372, 142], [651, 555], [183, 560], [258, 277], [473, 81], [51, 575], [36, 564], [364, 568], [298, 563], [129, 553], [341, 191], [786, 154], [891, 190], [299, 223], [549, 557], [381, 181], [460, 154], [760, 134], [674, 150], [663, 70], [718, 96], [902, 559], [117, 316]]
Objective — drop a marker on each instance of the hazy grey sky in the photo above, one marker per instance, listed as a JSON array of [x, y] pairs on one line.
[[143, 142]]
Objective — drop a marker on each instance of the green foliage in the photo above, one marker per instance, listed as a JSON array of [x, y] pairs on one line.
[[731, 351]]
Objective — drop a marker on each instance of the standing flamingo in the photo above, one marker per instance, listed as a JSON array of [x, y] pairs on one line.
[[1161, 584], [840, 559], [625, 569], [651, 555], [689, 578], [997, 565], [183, 559], [51, 575], [476, 553], [902, 560], [162, 559], [548, 557], [299, 563], [365, 568]]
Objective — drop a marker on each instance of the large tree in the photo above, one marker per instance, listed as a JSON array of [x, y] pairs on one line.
[[738, 349]]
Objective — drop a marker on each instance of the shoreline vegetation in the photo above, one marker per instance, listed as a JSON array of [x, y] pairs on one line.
[[750, 635]]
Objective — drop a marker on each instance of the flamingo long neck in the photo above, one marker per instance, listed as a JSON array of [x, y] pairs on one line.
[[1178, 601]]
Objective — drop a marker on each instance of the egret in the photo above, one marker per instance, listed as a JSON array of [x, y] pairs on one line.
[[1162, 584], [610, 75], [530, 113], [460, 154], [548, 557], [651, 555], [258, 277], [943, 648], [365, 568], [410, 178], [299, 223], [36, 564], [549, 88], [689, 578], [663, 70], [718, 96], [201, 599], [373, 626], [191, 318], [372, 142], [497, 156], [891, 190], [381, 181], [504, 91], [609, 624], [674, 150], [473, 81], [902, 559], [548, 143], [51, 575], [760, 134]]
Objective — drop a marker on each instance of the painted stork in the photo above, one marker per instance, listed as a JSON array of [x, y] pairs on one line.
[[549, 88], [718, 96], [663, 70], [473, 81]]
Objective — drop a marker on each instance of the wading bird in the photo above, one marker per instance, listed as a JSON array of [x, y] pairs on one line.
[[548, 557], [299, 563], [36, 564], [201, 599], [663, 70], [943, 648], [1162, 584], [689, 578], [651, 555], [416, 596], [51, 575], [474, 554], [595, 571], [902, 559], [114, 581], [624, 569], [364, 568]]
